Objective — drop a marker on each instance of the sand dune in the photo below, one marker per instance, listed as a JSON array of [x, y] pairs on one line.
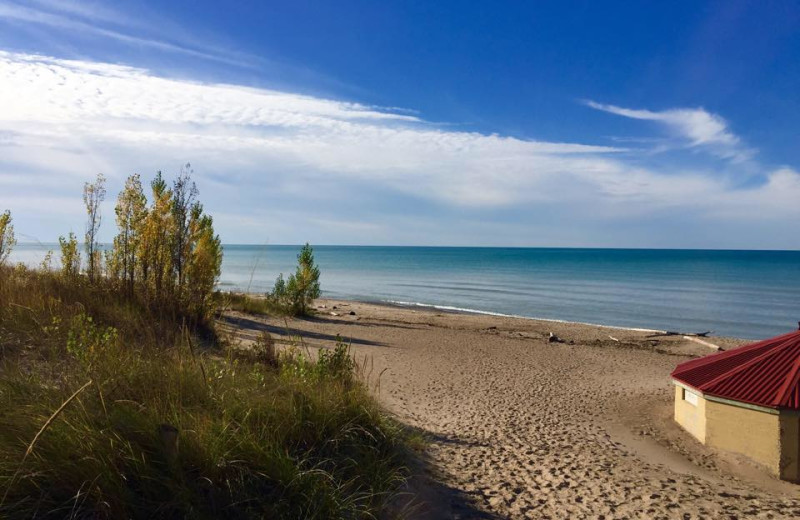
[[523, 428]]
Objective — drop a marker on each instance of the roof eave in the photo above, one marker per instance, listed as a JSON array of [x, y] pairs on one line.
[[761, 407]]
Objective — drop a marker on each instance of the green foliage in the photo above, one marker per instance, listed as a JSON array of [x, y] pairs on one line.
[[7, 238], [279, 436], [70, 256], [296, 296]]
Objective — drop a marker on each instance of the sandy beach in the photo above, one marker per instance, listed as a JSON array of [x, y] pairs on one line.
[[521, 427]]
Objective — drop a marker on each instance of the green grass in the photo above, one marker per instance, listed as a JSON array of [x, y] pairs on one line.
[[278, 436]]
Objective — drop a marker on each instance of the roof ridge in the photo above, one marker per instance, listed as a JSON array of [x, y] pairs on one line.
[[724, 376]]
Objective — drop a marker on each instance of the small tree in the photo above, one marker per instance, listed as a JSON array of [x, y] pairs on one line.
[[7, 238], [93, 195], [302, 288], [70, 256]]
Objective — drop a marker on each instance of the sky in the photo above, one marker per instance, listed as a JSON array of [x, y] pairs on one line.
[[554, 124]]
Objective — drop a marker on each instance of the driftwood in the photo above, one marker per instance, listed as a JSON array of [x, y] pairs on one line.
[[673, 333], [705, 343]]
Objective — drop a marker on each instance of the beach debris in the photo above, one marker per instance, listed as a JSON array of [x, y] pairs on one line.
[[323, 306], [555, 339], [334, 307], [673, 333], [352, 313], [334, 313], [613, 338], [704, 343]]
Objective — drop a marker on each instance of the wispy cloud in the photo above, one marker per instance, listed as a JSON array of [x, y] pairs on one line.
[[696, 126], [105, 23], [261, 153]]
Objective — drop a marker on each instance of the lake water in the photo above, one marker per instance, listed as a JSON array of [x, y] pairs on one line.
[[749, 294]]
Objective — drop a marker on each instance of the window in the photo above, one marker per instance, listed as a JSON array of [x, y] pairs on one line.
[[690, 397]]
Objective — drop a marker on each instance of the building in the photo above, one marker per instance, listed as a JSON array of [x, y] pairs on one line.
[[746, 401]]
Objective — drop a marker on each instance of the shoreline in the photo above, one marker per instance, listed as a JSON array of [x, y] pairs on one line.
[[448, 309], [477, 312]]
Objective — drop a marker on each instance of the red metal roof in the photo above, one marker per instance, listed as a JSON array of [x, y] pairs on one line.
[[766, 373]]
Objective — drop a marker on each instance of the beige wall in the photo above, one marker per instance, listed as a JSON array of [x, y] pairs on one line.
[[770, 439], [691, 417], [753, 433]]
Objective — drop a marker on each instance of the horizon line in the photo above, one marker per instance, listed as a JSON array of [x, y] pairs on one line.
[[399, 246]]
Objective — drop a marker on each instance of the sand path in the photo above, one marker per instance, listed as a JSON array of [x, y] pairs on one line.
[[523, 428]]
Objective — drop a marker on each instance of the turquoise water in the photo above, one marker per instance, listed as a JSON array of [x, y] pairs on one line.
[[750, 294]]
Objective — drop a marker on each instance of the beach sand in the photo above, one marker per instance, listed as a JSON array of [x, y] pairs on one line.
[[520, 427]]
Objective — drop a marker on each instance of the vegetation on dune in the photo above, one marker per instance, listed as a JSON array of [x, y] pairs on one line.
[[118, 401]]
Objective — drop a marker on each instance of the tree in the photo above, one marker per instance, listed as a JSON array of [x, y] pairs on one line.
[[155, 240], [7, 238], [204, 263], [94, 193], [184, 193], [70, 256], [131, 211], [303, 285]]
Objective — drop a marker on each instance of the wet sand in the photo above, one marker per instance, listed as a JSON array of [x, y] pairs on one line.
[[521, 427]]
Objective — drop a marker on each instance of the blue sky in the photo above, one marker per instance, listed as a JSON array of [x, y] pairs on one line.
[[607, 124]]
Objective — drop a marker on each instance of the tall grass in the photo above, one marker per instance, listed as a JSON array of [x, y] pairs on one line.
[[111, 410]]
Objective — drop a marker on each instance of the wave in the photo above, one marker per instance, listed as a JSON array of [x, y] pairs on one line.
[[502, 315]]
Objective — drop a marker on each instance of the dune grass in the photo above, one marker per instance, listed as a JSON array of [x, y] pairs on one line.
[[249, 304], [112, 409]]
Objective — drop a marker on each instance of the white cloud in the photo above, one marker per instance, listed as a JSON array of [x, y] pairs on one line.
[[88, 107], [62, 121], [699, 127]]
